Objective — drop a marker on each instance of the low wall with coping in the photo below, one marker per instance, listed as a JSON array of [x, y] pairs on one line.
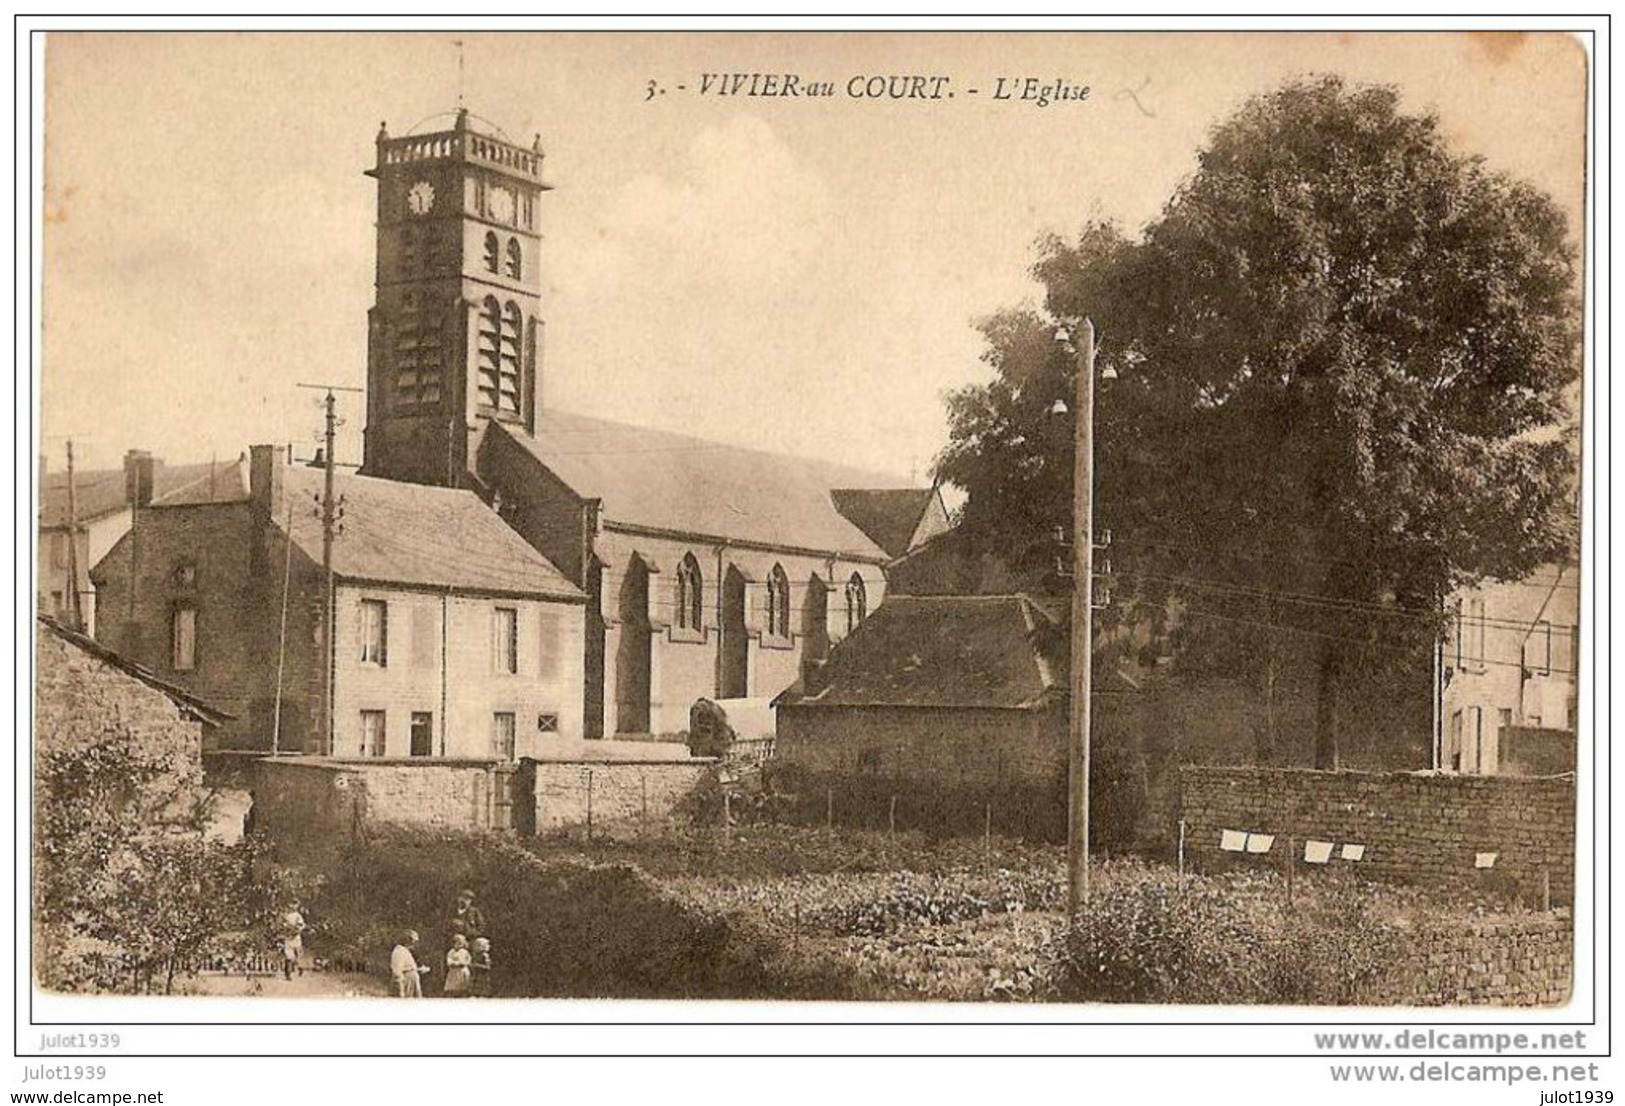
[[1419, 827], [608, 782], [315, 802]]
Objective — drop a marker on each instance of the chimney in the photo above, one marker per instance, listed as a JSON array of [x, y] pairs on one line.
[[138, 471], [265, 480]]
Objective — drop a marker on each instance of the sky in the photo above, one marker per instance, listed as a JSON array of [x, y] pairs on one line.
[[789, 274]]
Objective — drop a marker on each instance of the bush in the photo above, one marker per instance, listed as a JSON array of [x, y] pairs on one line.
[[1151, 936], [557, 928]]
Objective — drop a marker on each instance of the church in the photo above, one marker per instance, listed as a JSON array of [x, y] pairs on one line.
[[710, 571]]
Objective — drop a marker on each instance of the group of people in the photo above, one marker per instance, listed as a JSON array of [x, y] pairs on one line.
[[468, 956]]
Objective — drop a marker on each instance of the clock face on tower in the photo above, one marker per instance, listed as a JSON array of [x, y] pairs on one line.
[[420, 198], [502, 205]]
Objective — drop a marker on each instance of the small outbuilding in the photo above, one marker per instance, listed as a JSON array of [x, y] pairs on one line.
[[957, 706]]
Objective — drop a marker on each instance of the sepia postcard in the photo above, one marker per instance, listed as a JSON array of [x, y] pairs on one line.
[[1086, 521]]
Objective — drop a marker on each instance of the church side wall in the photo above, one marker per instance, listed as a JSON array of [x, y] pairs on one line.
[[684, 666]]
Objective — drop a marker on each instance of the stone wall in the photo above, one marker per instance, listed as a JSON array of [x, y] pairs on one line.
[[315, 802], [81, 700], [1515, 960], [1420, 827], [613, 788]]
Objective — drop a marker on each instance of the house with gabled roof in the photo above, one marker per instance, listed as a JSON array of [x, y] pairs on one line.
[[448, 636], [83, 515]]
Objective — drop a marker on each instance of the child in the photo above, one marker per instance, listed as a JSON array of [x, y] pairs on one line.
[[480, 964], [292, 935], [404, 967], [457, 965]]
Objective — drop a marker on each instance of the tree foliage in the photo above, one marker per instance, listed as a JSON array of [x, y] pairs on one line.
[[129, 887], [1341, 356]]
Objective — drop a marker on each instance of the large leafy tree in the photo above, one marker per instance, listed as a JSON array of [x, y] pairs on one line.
[[1341, 356]]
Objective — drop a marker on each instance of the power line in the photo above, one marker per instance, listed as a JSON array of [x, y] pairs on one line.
[[1352, 641], [1346, 606]]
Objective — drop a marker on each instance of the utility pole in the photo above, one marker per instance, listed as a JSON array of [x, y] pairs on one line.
[[1083, 567], [75, 610], [329, 528]]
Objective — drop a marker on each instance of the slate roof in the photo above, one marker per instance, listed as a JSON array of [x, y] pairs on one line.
[[686, 485], [940, 651], [189, 704], [100, 492], [413, 534], [889, 516], [961, 651]]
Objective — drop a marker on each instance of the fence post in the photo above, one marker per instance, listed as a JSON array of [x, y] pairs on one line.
[[727, 818], [1291, 850], [1181, 848], [589, 805], [643, 786], [891, 816], [829, 808], [987, 839]]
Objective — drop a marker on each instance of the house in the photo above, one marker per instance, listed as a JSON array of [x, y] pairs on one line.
[[99, 505], [1508, 701], [85, 693], [959, 701], [449, 635], [712, 571]]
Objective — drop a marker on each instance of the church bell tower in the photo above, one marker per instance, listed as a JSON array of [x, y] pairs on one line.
[[454, 334]]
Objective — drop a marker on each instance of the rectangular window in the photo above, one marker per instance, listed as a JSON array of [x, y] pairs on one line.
[[59, 551], [1537, 650], [374, 632], [502, 735], [1506, 718], [505, 639], [183, 639], [422, 733], [372, 733], [547, 723]]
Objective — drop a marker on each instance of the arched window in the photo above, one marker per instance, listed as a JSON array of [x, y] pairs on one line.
[[490, 251], [690, 593], [857, 602], [778, 603], [487, 358], [409, 252], [516, 267]]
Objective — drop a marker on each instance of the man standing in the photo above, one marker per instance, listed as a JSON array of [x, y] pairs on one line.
[[466, 919]]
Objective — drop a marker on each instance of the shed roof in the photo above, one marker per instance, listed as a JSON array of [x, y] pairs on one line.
[[681, 484], [188, 703]]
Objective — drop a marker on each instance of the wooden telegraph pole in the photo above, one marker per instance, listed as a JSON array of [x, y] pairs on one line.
[[76, 614], [1083, 566], [329, 531]]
